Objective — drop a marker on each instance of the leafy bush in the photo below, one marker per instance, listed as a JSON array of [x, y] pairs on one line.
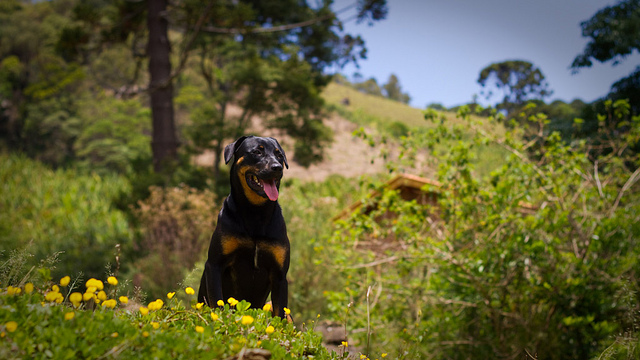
[[57, 321], [61, 211], [308, 208], [539, 259], [176, 225], [113, 134]]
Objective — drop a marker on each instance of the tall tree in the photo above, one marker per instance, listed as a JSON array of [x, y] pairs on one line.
[[270, 59], [244, 48], [393, 90], [517, 79], [164, 143], [614, 34]]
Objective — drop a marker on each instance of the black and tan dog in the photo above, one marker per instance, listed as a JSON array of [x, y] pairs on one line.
[[249, 250]]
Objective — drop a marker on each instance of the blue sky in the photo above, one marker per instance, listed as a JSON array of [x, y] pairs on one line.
[[437, 48]]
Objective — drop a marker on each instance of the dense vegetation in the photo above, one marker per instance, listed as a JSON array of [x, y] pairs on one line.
[[530, 251]]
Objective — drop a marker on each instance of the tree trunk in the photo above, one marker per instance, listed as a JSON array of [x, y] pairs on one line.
[[164, 143]]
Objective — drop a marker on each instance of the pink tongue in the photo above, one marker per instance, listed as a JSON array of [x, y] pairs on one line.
[[270, 189]]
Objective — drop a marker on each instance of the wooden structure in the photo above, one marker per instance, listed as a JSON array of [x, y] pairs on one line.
[[411, 187], [423, 190]]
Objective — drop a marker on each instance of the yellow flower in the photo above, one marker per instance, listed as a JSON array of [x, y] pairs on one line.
[[55, 288], [199, 329], [287, 311], [266, 307], [69, 315], [111, 303], [59, 298], [189, 290], [145, 334], [114, 335], [199, 306], [75, 298], [28, 288], [220, 303], [345, 344], [270, 329], [112, 280], [11, 290], [156, 305], [102, 295], [246, 320], [51, 296], [155, 325], [123, 299], [143, 310], [232, 301], [11, 326], [171, 295], [214, 316], [384, 355], [94, 283], [363, 356], [65, 281], [87, 296]]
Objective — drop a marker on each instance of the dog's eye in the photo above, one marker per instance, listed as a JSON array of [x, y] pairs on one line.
[[256, 152]]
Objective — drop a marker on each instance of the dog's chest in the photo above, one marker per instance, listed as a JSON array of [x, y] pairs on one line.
[[263, 253]]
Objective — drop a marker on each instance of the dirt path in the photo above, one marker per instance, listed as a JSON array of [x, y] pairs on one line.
[[347, 156]]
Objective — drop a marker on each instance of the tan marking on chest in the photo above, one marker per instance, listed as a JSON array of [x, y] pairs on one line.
[[278, 252], [232, 243]]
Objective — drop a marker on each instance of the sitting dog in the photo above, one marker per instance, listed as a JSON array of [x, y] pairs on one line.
[[249, 251]]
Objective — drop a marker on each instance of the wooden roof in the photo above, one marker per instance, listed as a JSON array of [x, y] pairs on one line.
[[412, 185], [401, 182]]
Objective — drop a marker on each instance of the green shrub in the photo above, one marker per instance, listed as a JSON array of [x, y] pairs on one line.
[[113, 133], [61, 212], [538, 259], [308, 208]]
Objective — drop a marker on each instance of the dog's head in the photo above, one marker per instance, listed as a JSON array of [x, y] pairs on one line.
[[257, 167]]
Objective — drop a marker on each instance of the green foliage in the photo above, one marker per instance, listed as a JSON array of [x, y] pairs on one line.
[[38, 86], [47, 322], [518, 80], [61, 212], [393, 90], [612, 33], [539, 258], [114, 134], [308, 208], [628, 88]]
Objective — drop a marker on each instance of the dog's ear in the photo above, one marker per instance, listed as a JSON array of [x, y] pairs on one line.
[[282, 151], [230, 149]]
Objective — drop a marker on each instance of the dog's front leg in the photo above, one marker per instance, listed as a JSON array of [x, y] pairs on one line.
[[279, 295], [210, 285]]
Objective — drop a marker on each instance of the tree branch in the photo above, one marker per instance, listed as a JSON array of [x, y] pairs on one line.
[[240, 31], [632, 180]]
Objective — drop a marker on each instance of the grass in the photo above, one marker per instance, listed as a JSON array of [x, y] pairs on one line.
[[395, 119], [56, 320]]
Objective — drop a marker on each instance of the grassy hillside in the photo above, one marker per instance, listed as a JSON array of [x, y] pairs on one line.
[[393, 119], [382, 108]]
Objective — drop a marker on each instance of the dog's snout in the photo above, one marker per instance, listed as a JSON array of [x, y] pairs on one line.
[[276, 166]]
